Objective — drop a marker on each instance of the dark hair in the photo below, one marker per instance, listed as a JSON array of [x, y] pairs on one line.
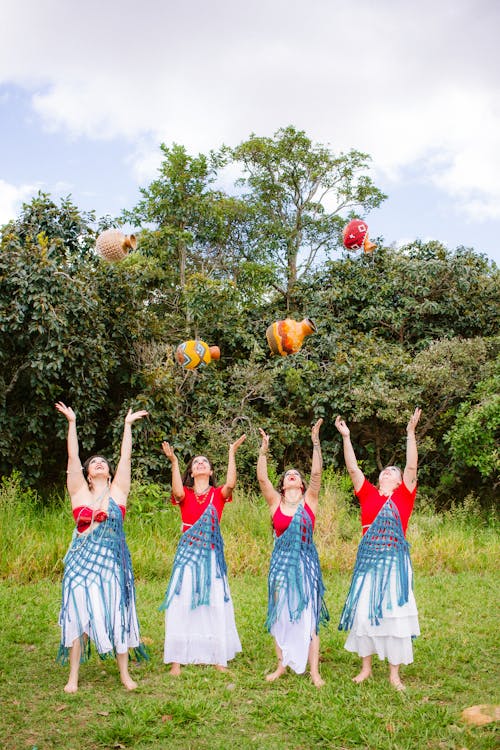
[[188, 480], [279, 486], [85, 467]]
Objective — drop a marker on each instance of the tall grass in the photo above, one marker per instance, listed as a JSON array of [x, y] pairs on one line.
[[34, 536]]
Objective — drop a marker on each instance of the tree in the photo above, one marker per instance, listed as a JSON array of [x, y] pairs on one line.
[[297, 192], [67, 323], [474, 437], [414, 295], [193, 224]]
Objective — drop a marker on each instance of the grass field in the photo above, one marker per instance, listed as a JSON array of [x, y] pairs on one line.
[[456, 658]]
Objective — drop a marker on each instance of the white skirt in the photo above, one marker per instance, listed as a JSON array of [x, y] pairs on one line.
[[204, 635], [294, 638], [86, 615], [391, 639]]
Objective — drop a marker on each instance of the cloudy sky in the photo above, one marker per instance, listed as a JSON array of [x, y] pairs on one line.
[[88, 91]]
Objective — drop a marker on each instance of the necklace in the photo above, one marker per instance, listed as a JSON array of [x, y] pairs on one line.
[[201, 496], [293, 504], [97, 500]]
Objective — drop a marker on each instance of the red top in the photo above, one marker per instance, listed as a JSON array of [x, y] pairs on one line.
[[371, 502], [281, 522], [191, 508], [84, 515]]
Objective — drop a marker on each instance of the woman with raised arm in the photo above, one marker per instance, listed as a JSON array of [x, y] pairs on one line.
[[380, 609], [296, 607], [98, 593], [199, 616]]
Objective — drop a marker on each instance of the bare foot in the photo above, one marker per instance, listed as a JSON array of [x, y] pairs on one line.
[[277, 673], [396, 683], [71, 686], [362, 676], [317, 680], [175, 670], [129, 683], [221, 668]]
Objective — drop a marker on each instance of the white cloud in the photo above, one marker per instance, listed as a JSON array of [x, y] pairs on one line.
[[410, 84], [11, 198]]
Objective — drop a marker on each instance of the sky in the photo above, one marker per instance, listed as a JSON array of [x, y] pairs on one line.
[[88, 91]]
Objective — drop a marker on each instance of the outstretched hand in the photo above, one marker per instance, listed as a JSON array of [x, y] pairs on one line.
[[234, 446], [315, 431], [342, 427], [133, 416], [66, 410], [414, 420], [168, 450], [265, 441]]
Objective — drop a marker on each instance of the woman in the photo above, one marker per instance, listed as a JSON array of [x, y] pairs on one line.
[[380, 610], [199, 617], [295, 585], [98, 594]]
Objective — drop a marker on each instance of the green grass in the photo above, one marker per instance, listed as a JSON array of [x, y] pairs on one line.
[[456, 659], [454, 668]]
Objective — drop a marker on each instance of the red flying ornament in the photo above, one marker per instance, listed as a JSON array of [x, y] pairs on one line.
[[355, 236]]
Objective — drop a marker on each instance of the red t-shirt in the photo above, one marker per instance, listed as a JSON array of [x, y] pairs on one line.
[[191, 509], [371, 502], [281, 522]]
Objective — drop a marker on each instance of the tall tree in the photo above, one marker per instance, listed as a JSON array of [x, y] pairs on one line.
[[190, 221], [297, 192]]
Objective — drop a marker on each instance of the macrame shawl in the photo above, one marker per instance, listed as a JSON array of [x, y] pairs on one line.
[[99, 559], [382, 548], [194, 551], [295, 578]]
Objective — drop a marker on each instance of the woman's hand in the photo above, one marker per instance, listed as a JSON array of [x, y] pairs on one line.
[[67, 411], [234, 446], [413, 420], [315, 432], [168, 450], [134, 416], [264, 447], [342, 427]]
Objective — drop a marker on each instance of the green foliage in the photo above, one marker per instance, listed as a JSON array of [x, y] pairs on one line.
[[290, 182], [67, 326], [396, 328], [474, 437]]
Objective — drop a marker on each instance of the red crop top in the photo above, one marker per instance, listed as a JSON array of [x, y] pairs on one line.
[[281, 522], [84, 515]]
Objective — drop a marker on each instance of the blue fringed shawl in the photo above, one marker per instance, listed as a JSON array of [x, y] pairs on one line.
[[381, 549], [100, 559], [195, 552], [295, 579]]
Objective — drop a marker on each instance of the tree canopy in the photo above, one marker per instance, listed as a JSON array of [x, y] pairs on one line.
[[395, 329]]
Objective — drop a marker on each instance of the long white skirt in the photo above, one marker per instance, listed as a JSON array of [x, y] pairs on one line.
[[204, 635], [391, 639], [86, 615], [294, 638]]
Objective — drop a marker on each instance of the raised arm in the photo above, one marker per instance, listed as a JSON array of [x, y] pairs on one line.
[[75, 481], [120, 486], [351, 462], [312, 493], [229, 486], [410, 472], [271, 495], [177, 486]]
